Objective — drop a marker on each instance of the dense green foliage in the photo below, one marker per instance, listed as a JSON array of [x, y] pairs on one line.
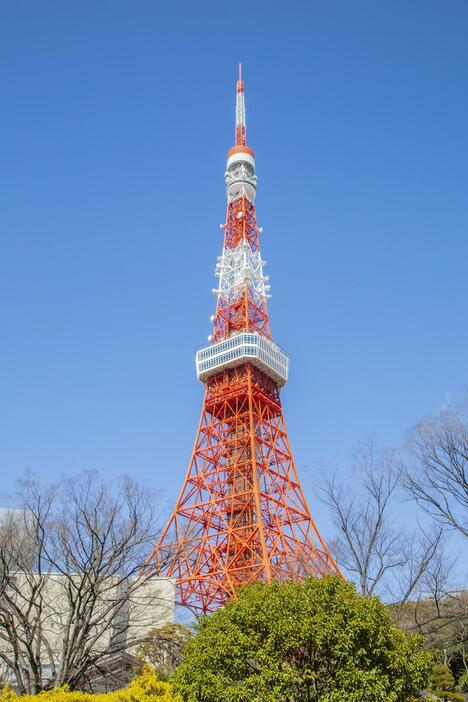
[[441, 678], [463, 683], [442, 684], [313, 642], [143, 688]]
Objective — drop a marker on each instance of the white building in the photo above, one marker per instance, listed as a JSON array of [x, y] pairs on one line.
[[61, 608]]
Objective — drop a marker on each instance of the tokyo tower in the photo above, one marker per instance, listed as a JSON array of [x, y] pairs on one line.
[[241, 515]]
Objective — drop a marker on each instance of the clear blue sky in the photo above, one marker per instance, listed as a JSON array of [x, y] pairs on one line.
[[115, 122]]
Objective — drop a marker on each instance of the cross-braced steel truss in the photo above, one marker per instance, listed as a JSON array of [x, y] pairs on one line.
[[241, 515]]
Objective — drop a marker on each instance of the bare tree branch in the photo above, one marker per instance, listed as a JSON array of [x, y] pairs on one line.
[[372, 546], [73, 591], [438, 476]]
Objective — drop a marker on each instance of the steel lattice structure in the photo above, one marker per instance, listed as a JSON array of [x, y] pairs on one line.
[[241, 514]]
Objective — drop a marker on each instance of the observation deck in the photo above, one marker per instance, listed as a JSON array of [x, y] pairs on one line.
[[245, 347]]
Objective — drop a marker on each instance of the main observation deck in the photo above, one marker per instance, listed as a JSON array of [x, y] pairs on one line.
[[244, 348]]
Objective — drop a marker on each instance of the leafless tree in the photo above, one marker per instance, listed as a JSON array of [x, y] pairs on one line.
[[374, 546], [438, 475], [440, 612], [73, 594]]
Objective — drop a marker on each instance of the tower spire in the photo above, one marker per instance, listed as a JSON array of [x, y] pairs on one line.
[[241, 132]]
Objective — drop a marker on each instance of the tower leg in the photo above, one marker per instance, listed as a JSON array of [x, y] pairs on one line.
[[241, 515]]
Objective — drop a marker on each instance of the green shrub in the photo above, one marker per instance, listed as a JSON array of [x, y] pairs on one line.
[[442, 684], [317, 640], [463, 683], [441, 678]]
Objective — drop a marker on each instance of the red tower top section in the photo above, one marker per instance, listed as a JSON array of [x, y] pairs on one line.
[[241, 132], [240, 141], [243, 291]]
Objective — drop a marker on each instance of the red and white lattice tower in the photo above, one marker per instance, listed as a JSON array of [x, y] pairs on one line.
[[241, 515]]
